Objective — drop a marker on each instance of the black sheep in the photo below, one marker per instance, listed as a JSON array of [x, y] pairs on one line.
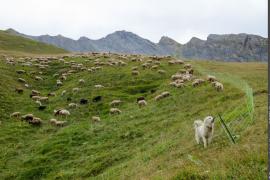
[[83, 101], [97, 98], [140, 98]]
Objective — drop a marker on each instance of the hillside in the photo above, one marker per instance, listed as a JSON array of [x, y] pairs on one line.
[[151, 142], [225, 47], [16, 44]]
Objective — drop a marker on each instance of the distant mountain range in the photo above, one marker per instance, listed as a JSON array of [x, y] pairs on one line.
[[228, 47]]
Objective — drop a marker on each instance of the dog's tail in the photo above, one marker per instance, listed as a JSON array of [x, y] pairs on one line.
[[197, 123]]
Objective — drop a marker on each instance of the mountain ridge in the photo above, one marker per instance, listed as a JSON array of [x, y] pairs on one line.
[[226, 47]]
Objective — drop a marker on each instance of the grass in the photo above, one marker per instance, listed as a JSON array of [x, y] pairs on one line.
[[154, 142], [16, 45]]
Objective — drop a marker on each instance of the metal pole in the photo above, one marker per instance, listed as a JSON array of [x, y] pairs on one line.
[[226, 129]]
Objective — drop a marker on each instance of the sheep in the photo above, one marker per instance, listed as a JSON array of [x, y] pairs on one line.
[[99, 86], [96, 119], [74, 90], [165, 94], [51, 94], [20, 71], [218, 86], [189, 71], [72, 105], [142, 103], [161, 71], [27, 117], [176, 76], [36, 98], [59, 83], [42, 107], [15, 114], [81, 81], [171, 62], [83, 101], [115, 111], [35, 93], [63, 92], [197, 82], [135, 73], [44, 99], [135, 68], [61, 112], [19, 90], [158, 97], [21, 80], [179, 85], [58, 123], [97, 98], [115, 102], [187, 66], [37, 78], [179, 61], [154, 67], [35, 121], [211, 78]]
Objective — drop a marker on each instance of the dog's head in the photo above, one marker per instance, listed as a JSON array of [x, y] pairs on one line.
[[209, 122]]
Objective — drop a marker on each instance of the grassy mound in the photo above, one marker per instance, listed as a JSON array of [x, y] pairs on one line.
[[153, 142], [12, 44]]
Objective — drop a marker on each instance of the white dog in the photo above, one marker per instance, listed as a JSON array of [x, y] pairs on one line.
[[204, 130]]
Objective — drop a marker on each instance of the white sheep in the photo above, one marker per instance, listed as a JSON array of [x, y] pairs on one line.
[[63, 92], [74, 90], [142, 103], [211, 78], [62, 112], [115, 102], [81, 81], [72, 105], [99, 86], [135, 73], [115, 111], [96, 118], [15, 114]]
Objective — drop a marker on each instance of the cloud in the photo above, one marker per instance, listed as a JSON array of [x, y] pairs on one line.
[[151, 19]]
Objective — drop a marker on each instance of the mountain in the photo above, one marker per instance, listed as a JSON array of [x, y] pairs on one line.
[[228, 47], [9, 42]]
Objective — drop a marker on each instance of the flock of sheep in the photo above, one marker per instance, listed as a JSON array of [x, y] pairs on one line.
[[178, 80]]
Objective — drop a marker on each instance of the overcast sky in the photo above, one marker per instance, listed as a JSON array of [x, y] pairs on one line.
[[151, 19]]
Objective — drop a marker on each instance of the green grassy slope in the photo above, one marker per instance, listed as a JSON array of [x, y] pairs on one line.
[[15, 44], [154, 142]]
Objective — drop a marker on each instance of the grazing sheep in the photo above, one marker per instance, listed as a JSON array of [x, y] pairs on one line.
[[81, 81], [72, 105], [15, 114], [189, 71], [61, 112], [74, 90], [83, 101], [97, 98], [135, 73], [197, 82], [96, 119], [21, 80], [134, 68], [142, 103], [211, 78], [187, 66], [98, 86], [179, 61], [115, 102], [35, 93], [35, 121], [44, 99], [218, 86], [58, 123], [176, 76], [63, 93], [20, 71], [204, 130], [27, 117], [154, 67], [51, 94], [165, 94], [59, 83], [19, 90], [171, 62], [36, 98], [158, 97], [37, 78], [115, 111], [42, 107], [161, 71]]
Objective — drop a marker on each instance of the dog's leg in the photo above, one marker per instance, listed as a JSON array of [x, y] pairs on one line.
[[197, 138], [204, 142]]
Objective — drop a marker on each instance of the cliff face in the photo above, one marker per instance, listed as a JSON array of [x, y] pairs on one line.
[[228, 47]]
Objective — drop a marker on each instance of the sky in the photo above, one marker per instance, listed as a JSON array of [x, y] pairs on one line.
[[150, 19]]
